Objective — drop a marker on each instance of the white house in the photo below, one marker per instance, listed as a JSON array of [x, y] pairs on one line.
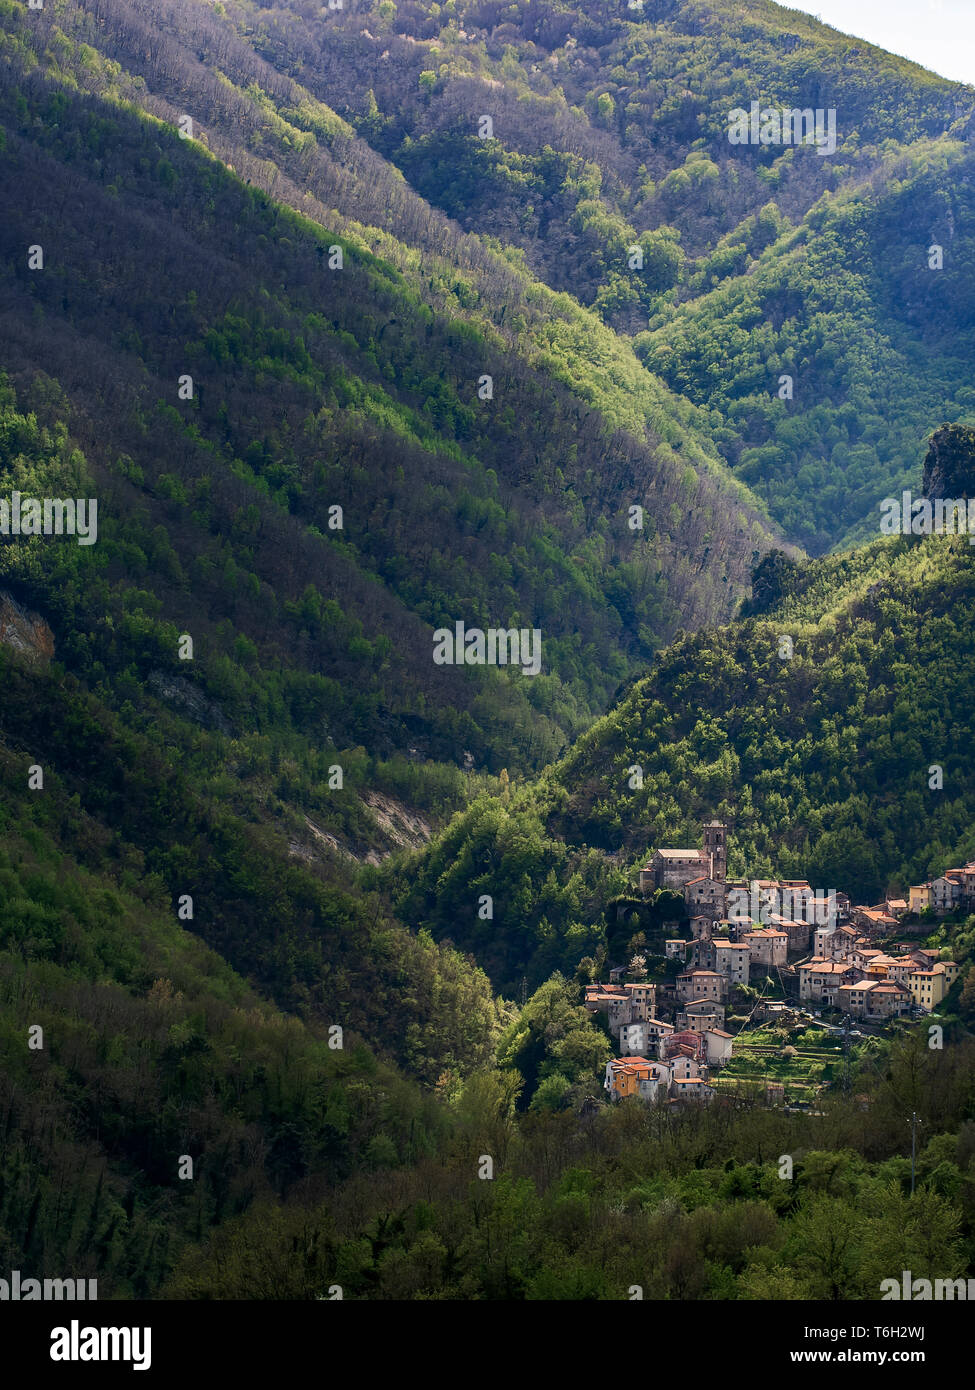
[[718, 1045], [645, 1038]]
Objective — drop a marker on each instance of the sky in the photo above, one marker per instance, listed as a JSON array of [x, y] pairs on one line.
[[940, 34]]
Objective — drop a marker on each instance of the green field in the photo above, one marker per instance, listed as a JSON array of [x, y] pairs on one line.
[[758, 1058]]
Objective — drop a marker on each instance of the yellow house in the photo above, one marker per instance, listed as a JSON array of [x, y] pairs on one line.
[[920, 896], [626, 1083], [625, 1074], [928, 987]]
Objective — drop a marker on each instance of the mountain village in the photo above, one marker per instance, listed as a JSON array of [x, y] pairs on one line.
[[822, 951]]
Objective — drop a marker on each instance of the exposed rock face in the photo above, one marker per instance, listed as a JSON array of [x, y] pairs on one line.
[[406, 829], [189, 700], [25, 632], [397, 826], [949, 468]]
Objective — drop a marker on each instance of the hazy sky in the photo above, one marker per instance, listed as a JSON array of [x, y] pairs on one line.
[[938, 33]]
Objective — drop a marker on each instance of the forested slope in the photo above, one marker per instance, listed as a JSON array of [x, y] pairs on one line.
[[139, 260], [610, 132], [339, 373], [316, 387], [812, 727], [153, 1049]]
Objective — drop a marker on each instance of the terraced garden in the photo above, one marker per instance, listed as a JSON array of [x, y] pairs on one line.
[[764, 1055]]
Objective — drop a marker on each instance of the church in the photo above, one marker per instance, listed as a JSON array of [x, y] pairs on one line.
[[675, 868]]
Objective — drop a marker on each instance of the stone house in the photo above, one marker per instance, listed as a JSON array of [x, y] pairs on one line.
[[691, 1088], [700, 1014], [705, 897], [946, 892], [768, 946], [819, 980], [732, 959], [873, 999], [645, 1038], [700, 984]]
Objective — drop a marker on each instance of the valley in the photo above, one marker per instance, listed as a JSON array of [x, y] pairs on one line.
[[455, 469]]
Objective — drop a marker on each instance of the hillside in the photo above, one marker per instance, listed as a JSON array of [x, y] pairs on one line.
[[338, 373], [819, 761], [230, 696], [336, 487], [610, 131]]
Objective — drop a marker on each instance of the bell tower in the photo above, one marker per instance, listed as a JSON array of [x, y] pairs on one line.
[[715, 846]]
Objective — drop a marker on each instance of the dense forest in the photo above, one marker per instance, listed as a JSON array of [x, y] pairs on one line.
[[335, 449], [342, 368], [633, 1199], [610, 132]]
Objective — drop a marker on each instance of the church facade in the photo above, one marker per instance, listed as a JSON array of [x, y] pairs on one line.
[[675, 868]]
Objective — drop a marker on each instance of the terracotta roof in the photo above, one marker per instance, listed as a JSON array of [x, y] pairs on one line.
[[631, 1066]]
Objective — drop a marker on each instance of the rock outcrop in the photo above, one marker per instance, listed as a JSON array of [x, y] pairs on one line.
[[25, 632], [189, 700], [949, 468]]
